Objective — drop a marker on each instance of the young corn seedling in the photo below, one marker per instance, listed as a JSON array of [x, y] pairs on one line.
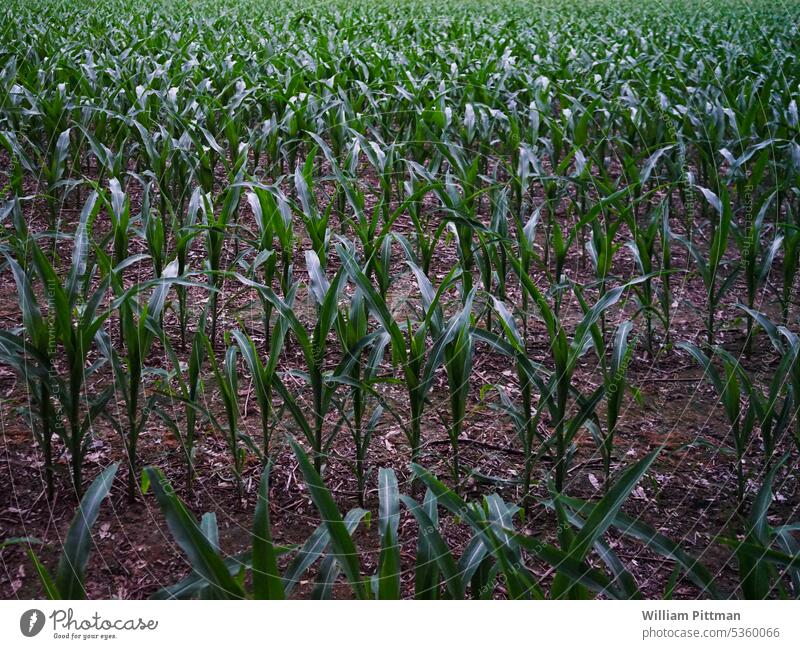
[[614, 378], [274, 221], [592, 519], [576, 512], [665, 290], [525, 225], [263, 376], [577, 546], [772, 412], [615, 382], [215, 576], [31, 353], [110, 161], [426, 233], [382, 158], [461, 214], [215, 226], [490, 255], [408, 344], [120, 213], [709, 269], [644, 249], [74, 307], [227, 379], [189, 384], [314, 219], [184, 234], [352, 330], [602, 247], [457, 341], [140, 325], [49, 163], [530, 376], [153, 232], [756, 259], [491, 523], [313, 344], [376, 242], [565, 354]]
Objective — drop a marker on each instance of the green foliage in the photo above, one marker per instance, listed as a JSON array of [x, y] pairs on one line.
[[519, 185]]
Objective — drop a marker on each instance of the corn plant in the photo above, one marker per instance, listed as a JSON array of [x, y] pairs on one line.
[[408, 344], [263, 376], [75, 308], [756, 259], [352, 330], [615, 381], [314, 219], [140, 329], [313, 344], [274, 222], [577, 545], [530, 376], [565, 354], [154, 233], [460, 208], [48, 163], [120, 221], [644, 247], [427, 234], [31, 353], [716, 285], [382, 157], [184, 231], [198, 540], [575, 512], [601, 248], [603, 245], [457, 341], [215, 226], [227, 380], [188, 379]]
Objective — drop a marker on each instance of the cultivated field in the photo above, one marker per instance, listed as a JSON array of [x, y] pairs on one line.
[[415, 300]]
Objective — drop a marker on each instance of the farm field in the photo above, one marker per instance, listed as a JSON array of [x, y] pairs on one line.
[[399, 300]]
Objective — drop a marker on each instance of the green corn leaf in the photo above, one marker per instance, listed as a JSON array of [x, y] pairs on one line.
[[436, 551], [267, 583], [72, 565], [203, 558], [602, 516], [388, 522], [341, 542]]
